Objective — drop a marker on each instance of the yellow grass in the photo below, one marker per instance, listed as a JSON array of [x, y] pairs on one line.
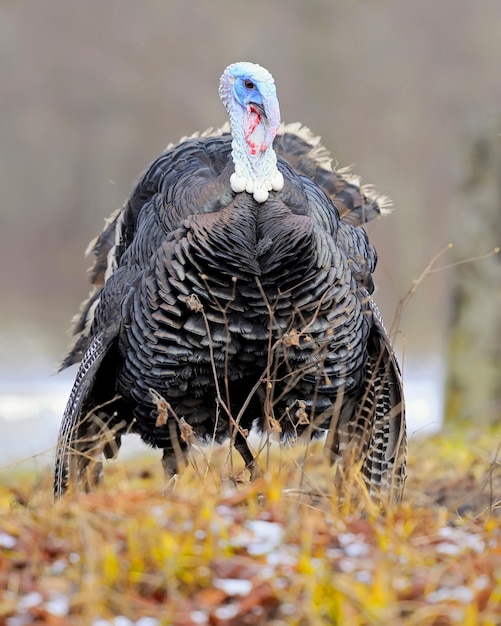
[[215, 549]]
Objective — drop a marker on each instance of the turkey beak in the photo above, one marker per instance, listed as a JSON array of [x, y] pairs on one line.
[[259, 108]]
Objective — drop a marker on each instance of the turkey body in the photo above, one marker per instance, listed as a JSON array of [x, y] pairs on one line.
[[219, 313]]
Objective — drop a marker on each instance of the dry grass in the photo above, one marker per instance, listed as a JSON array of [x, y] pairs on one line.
[[218, 550]]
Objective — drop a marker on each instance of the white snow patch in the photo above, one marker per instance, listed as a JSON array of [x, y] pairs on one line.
[[363, 576], [448, 548], [346, 565], [58, 605], [31, 599], [233, 586], [228, 611], [148, 621], [7, 541], [460, 540], [461, 593], [18, 620], [283, 556], [259, 537], [288, 608], [58, 567], [482, 582], [121, 620], [199, 617], [267, 536], [354, 546]]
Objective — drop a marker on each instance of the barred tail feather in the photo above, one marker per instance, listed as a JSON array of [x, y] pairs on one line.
[[371, 428], [77, 434]]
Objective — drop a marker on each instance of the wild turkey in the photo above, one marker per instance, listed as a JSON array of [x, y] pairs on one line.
[[232, 290]]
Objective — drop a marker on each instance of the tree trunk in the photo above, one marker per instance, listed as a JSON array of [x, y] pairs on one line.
[[473, 392]]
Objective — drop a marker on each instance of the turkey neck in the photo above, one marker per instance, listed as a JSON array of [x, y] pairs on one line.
[[252, 154]]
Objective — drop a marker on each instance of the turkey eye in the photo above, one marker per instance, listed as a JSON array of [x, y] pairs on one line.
[[248, 84]]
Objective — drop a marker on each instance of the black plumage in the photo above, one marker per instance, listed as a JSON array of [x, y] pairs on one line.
[[213, 312]]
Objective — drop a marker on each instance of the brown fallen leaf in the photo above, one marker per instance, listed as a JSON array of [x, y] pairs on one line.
[[162, 406]]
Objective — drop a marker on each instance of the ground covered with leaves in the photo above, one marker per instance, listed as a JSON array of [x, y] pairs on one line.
[[215, 549]]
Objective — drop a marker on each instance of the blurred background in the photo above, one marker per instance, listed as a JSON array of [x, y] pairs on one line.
[[91, 92]]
